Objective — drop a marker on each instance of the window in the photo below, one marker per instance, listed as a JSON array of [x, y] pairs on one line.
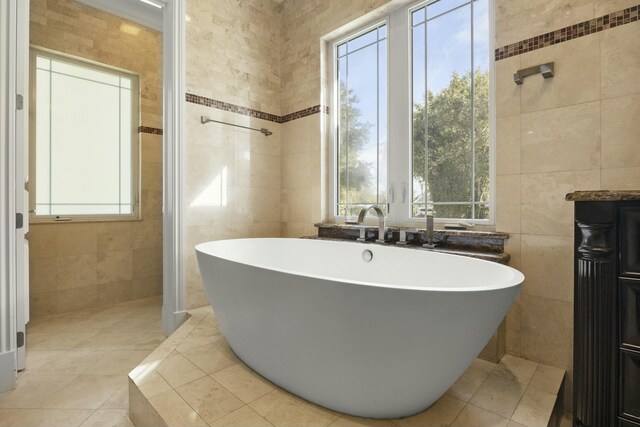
[[439, 123], [84, 149], [361, 94]]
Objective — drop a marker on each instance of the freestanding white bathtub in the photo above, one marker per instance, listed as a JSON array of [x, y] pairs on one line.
[[378, 339]]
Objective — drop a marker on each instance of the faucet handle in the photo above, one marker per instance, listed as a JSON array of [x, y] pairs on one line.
[[403, 238], [403, 241], [363, 233]]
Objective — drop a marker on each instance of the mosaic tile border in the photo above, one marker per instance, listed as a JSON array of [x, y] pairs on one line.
[[147, 129], [612, 20], [304, 113], [225, 106]]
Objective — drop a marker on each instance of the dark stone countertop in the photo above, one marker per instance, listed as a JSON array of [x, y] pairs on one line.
[[603, 196], [437, 232], [487, 245], [470, 251]]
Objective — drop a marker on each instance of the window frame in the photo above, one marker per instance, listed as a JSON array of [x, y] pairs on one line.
[[35, 51], [333, 99], [399, 118]]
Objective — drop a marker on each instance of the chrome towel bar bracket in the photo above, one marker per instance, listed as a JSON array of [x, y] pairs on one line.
[[545, 69]]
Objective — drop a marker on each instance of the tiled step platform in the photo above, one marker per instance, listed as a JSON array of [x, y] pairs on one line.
[[194, 379]]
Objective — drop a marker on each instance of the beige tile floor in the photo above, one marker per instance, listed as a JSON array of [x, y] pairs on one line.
[[194, 379], [77, 366]]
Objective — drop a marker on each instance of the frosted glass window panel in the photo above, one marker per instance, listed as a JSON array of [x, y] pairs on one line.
[[85, 73], [43, 63], [86, 143], [125, 147], [43, 142], [89, 209]]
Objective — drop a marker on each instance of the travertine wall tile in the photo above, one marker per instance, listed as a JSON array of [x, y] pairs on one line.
[[547, 263], [561, 139], [544, 210], [97, 257], [232, 52], [577, 132], [620, 60], [508, 151], [508, 189], [303, 24], [507, 92], [547, 331], [541, 17], [621, 132], [602, 7], [232, 184], [620, 178], [576, 75]]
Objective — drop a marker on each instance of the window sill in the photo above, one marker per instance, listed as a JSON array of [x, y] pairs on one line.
[[80, 220], [478, 243]]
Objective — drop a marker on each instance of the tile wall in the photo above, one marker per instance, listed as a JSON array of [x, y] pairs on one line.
[[575, 131], [233, 176], [79, 265]]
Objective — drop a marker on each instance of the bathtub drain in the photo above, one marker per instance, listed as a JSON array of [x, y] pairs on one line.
[[367, 255]]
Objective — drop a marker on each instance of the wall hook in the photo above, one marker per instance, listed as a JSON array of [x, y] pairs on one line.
[[545, 69]]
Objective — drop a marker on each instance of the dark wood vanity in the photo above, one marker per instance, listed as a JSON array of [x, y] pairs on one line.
[[606, 347]]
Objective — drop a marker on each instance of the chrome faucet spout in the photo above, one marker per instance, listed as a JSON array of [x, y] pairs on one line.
[[382, 221]]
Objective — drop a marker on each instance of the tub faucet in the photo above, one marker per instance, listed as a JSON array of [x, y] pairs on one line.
[[382, 226], [431, 242]]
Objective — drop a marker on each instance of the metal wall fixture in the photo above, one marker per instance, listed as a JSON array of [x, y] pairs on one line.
[[545, 69], [264, 131]]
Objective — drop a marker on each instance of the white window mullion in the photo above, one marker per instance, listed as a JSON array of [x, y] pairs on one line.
[[399, 118]]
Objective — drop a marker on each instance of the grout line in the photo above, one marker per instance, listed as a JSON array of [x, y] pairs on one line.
[[89, 416], [557, 107]]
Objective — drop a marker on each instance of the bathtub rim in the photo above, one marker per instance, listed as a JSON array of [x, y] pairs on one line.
[[516, 280]]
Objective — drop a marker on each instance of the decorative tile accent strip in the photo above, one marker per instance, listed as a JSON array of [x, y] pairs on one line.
[[582, 29], [304, 113], [147, 129], [225, 106], [221, 105]]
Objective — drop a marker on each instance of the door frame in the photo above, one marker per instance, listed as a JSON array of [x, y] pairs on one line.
[[173, 307], [8, 104], [173, 66]]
